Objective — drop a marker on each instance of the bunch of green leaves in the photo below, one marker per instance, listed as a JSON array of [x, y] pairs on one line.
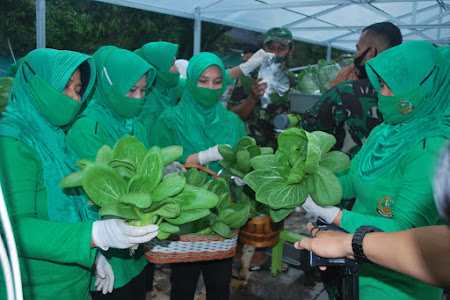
[[316, 80], [127, 182], [225, 216], [237, 162], [302, 165]]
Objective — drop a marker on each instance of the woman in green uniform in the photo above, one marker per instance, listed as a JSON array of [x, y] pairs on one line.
[[162, 56], [391, 177], [199, 123], [55, 231], [122, 79]]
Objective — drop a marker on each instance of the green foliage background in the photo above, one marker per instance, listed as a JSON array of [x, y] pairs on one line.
[[86, 25]]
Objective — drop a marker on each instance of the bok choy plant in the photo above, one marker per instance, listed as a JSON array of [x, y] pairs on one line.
[[225, 216], [301, 165], [127, 182]]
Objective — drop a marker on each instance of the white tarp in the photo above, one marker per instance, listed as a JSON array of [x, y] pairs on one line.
[[335, 23]]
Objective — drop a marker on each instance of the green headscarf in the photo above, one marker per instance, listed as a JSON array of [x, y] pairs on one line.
[[418, 73], [23, 120], [118, 70], [161, 55], [198, 127]]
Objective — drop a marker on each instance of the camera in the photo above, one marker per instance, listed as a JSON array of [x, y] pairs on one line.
[[316, 260]]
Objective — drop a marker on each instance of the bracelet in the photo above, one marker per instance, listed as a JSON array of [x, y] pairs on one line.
[[357, 242]]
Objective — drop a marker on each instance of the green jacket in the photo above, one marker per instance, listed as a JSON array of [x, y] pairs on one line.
[[400, 199], [55, 257], [89, 133], [194, 126]]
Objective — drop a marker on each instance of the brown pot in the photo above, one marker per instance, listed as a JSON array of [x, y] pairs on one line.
[[260, 232]]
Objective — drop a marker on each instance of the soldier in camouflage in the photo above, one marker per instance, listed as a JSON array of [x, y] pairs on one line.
[[349, 110], [245, 102], [245, 98]]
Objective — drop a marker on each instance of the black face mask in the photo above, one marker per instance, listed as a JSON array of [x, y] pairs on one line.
[[360, 70]]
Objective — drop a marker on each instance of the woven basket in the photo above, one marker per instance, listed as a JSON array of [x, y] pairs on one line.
[[260, 232], [191, 247]]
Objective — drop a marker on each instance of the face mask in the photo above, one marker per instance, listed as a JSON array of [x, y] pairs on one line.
[[360, 70], [57, 108], [396, 109], [204, 96], [124, 106], [169, 80]]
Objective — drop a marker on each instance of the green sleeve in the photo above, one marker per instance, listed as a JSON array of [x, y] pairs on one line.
[[409, 184], [36, 236], [85, 137], [345, 178]]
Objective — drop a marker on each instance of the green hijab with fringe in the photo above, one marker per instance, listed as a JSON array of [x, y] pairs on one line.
[[197, 126], [118, 70], [161, 55], [418, 73], [25, 121]]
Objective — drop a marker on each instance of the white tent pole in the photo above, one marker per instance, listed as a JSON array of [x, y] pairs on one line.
[[197, 30], [328, 52], [40, 23]]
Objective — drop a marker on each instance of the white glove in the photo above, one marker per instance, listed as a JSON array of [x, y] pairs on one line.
[[105, 275], [115, 233], [174, 167], [254, 61], [238, 181], [209, 155], [328, 213]]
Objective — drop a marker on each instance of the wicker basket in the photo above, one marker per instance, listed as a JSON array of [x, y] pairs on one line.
[[191, 247], [260, 232]]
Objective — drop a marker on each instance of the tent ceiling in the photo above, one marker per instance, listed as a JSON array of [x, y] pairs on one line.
[[336, 23]]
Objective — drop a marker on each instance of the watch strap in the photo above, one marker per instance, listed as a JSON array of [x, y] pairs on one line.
[[357, 242]]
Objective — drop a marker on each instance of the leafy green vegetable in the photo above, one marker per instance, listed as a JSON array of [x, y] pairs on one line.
[[238, 163], [171, 185], [127, 182], [102, 184], [104, 155], [189, 216], [316, 80], [302, 165], [263, 161], [129, 149], [171, 154], [227, 153], [73, 180], [140, 200], [335, 161]]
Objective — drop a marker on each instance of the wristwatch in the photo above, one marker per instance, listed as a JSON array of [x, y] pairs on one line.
[[357, 242]]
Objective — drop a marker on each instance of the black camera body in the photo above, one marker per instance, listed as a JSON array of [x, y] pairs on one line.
[[316, 260]]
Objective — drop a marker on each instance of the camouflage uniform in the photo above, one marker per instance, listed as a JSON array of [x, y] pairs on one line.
[[260, 122], [349, 111]]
